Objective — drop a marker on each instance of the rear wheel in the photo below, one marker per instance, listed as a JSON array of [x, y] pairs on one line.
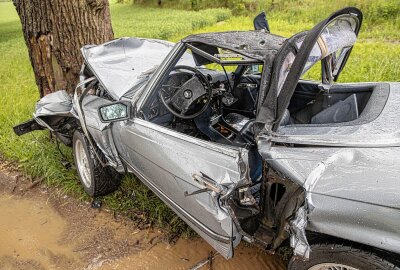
[[96, 179], [340, 257]]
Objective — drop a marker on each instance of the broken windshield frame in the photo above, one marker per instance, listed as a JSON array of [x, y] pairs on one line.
[[141, 96], [170, 61], [240, 62]]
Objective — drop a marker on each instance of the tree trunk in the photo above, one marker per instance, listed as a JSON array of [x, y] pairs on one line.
[[55, 30]]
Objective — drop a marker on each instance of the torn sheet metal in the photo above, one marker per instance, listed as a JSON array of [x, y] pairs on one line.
[[170, 159], [346, 194], [54, 105], [298, 239], [218, 200], [348, 191], [341, 172], [58, 103]]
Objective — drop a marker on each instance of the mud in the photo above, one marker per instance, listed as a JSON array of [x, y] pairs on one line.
[[41, 229]]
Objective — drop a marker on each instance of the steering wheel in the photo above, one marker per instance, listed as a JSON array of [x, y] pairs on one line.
[[196, 89]]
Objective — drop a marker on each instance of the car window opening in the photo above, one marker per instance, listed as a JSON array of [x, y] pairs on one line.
[[226, 113]]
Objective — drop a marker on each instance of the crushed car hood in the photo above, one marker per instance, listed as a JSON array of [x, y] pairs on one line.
[[124, 63]]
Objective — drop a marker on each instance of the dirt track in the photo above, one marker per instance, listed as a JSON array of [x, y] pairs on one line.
[[39, 229]]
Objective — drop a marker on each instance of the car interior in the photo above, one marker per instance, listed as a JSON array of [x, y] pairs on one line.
[[217, 102], [208, 101], [314, 104], [225, 112]]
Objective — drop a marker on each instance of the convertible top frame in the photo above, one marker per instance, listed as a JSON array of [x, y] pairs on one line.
[[243, 62]]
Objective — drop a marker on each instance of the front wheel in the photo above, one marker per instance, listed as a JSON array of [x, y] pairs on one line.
[[96, 179], [340, 257]]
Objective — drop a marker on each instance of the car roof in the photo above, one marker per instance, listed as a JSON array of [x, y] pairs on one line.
[[256, 44]]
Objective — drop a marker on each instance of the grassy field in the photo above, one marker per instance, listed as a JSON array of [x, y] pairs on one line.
[[375, 58], [129, 20]]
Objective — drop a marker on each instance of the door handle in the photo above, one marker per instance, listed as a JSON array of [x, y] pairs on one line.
[[208, 183]]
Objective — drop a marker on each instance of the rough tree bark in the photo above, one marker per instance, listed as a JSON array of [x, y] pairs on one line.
[[55, 30]]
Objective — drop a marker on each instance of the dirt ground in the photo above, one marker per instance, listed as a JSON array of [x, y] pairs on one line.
[[41, 229]]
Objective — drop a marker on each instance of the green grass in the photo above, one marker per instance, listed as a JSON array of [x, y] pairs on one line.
[[375, 58], [129, 20], [382, 17]]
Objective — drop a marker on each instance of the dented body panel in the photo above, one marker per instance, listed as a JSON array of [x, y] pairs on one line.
[[55, 104], [169, 160], [347, 195]]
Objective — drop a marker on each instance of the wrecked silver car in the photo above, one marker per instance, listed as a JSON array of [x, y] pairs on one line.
[[222, 127]]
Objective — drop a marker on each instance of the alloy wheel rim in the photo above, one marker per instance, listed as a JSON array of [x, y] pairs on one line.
[[332, 266], [82, 161]]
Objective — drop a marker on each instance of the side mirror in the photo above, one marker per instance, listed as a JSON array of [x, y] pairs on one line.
[[114, 112]]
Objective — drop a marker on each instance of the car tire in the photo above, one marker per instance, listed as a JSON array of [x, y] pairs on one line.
[[337, 256], [95, 179]]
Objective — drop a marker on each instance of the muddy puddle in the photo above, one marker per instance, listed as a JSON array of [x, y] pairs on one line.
[[185, 254], [30, 232], [38, 231]]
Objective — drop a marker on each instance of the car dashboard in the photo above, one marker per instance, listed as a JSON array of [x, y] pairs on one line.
[[227, 119]]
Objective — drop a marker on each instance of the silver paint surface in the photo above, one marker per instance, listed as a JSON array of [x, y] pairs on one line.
[[170, 159], [55, 104]]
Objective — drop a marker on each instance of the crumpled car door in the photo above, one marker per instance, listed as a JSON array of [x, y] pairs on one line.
[[330, 41], [194, 177]]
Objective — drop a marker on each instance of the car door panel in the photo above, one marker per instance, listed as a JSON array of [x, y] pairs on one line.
[[170, 161], [330, 41]]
